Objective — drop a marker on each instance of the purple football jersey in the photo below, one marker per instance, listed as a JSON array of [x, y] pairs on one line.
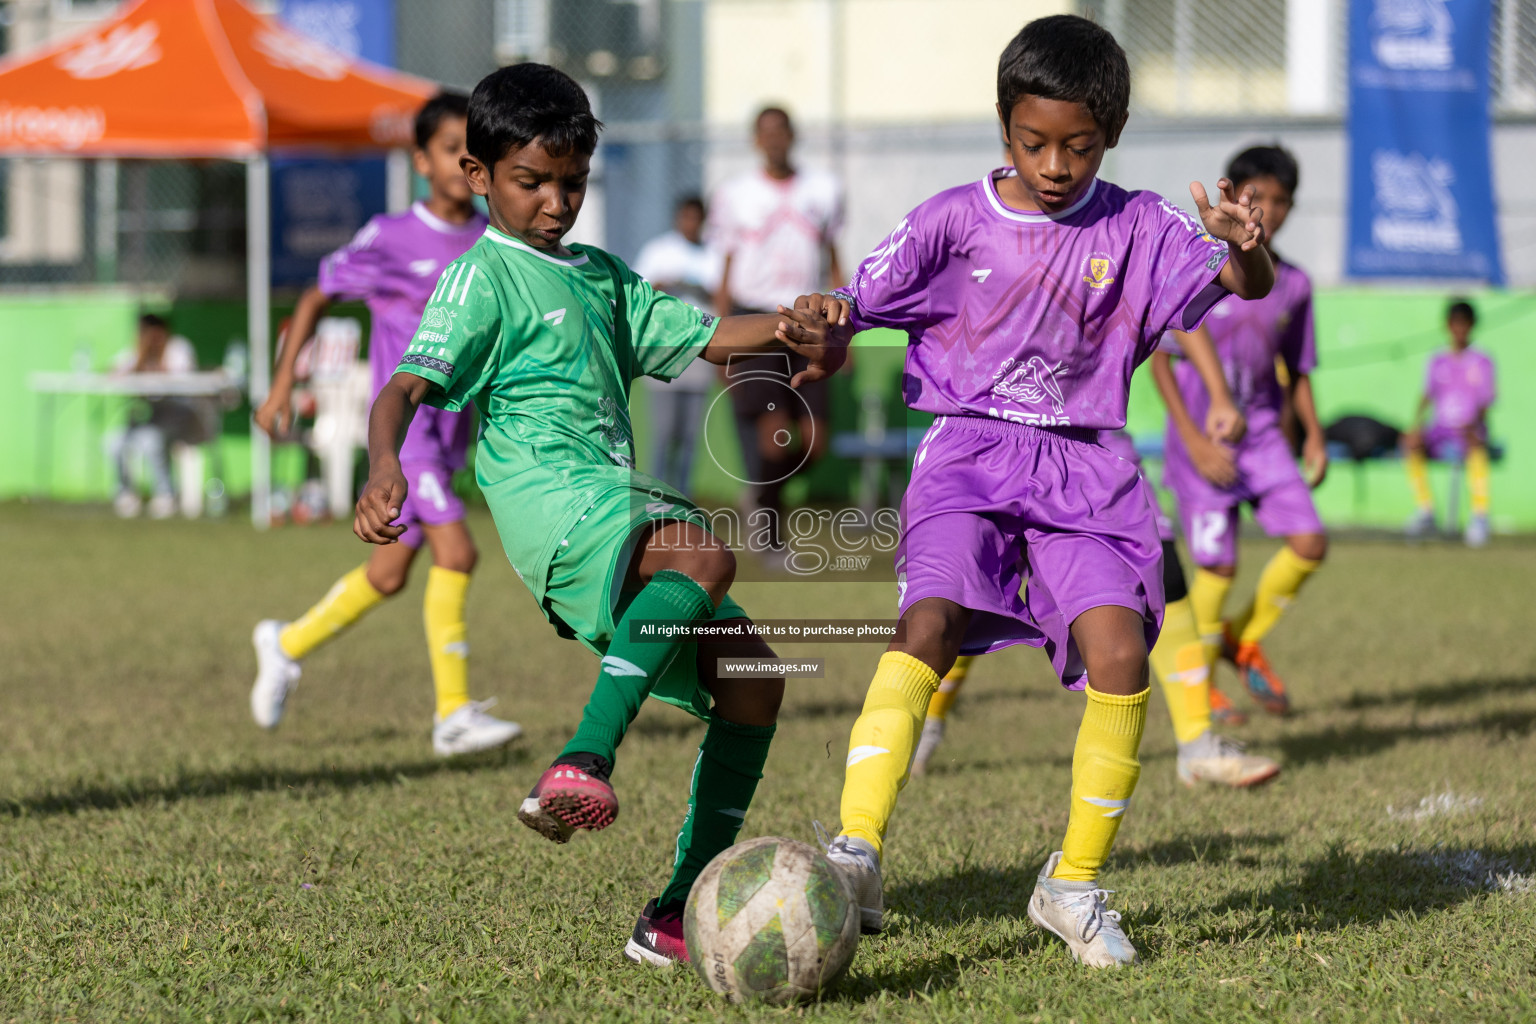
[[392, 264], [1032, 317], [1461, 386], [1248, 336]]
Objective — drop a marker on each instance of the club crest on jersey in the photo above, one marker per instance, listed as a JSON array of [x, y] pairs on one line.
[[1099, 270]]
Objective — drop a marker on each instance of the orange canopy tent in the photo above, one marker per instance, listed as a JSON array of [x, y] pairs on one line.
[[205, 78]]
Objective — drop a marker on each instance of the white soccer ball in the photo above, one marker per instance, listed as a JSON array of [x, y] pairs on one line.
[[771, 919]]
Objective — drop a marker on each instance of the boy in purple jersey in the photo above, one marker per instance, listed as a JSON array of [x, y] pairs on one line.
[[1211, 480], [1029, 298], [1460, 387], [394, 264]]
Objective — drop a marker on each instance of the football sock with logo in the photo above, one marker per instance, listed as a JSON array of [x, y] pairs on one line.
[[1278, 584], [631, 668], [443, 612], [1417, 464], [1178, 661], [348, 600], [949, 687], [1104, 774], [1478, 470], [1207, 593], [725, 777], [883, 741]]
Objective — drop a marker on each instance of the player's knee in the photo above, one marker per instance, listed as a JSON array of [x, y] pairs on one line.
[[931, 632], [1311, 546], [462, 558], [388, 582]]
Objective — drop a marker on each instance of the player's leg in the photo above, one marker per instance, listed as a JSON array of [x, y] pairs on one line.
[[1211, 534], [1416, 462], [1479, 468], [680, 573], [938, 713], [280, 646], [725, 777], [459, 725]]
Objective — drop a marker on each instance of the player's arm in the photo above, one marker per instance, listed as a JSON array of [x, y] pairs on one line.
[[816, 330], [276, 413], [835, 278], [1314, 447], [384, 494], [1249, 272], [1214, 461], [723, 290], [1223, 422]]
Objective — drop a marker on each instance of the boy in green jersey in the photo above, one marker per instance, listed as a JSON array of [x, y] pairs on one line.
[[545, 338]]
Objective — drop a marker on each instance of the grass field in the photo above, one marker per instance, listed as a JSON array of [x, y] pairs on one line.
[[161, 858]]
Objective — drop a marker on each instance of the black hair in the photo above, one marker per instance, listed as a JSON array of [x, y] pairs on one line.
[[1461, 308], [1265, 162], [430, 117], [147, 320], [1068, 58], [691, 199], [789, 122], [517, 105]]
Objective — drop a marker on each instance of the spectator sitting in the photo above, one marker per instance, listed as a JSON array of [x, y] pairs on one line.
[[170, 419]]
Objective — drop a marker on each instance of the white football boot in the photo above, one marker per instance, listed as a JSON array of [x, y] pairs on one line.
[[1422, 524], [1221, 761], [276, 674], [927, 745], [1478, 531], [1075, 913], [469, 730], [860, 864]]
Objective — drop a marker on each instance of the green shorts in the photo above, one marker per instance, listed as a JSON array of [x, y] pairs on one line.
[[584, 597]]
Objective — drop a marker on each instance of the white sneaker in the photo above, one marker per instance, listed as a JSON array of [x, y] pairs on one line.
[[469, 729], [933, 735], [276, 673], [1218, 760], [861, 866], [1422, 524], [1477, 531], [1075, 913], [127, 505], [162, 506]]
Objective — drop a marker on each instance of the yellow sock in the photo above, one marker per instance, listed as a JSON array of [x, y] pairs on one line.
[[1478, 469], [1207, 593], [343, 604], [883, 741], [1278, 584], [1418, 479], [1104, 774], [949, 687], [443, 610], [1178, 661]]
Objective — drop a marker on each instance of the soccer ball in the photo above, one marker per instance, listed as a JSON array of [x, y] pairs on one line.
[[772, 920]]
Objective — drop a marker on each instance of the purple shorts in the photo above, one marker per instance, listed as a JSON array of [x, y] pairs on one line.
[[1029, 528], [429, 500], [1119, 443], [1267, 479], [1448, 443]]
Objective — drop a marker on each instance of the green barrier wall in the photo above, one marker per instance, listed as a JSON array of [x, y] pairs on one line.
[[1372, 345]]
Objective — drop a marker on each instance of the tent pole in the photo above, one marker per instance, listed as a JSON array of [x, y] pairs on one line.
[[258, 297]]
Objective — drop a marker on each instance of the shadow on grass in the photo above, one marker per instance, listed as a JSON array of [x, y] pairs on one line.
[[1208, 848], [941, 972], [1441, 694], [1364, 740], [200, 785], [1342, 888]]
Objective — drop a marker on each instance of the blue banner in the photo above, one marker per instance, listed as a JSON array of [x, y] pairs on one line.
[[318, 204], [1421, 176]]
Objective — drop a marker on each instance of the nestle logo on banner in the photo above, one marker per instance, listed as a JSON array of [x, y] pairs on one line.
[[1415, 209], [54, 127], [1413, 35], [125, 48]]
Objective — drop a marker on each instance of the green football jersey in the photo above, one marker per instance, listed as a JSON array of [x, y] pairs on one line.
[[547, 348]]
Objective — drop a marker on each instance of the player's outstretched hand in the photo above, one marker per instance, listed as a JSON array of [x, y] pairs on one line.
[[808, 332], [379, 506], [1234, 219], [834, 307]]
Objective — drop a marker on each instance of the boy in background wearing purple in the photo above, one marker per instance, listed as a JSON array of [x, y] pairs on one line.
[[394, 264], [1029, 298], [1460, 387], [1211, 481]]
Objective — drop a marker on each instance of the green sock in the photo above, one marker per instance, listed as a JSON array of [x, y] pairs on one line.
[[631, 669], [724, 778]]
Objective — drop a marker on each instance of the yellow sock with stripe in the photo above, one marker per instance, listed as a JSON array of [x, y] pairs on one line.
[[443, 612], [882, 743], [347, 601], [1104, 774], [1178, 661], [1417, 464], [1278, 584], [1478, 470], [949, 687], [1207, 594]]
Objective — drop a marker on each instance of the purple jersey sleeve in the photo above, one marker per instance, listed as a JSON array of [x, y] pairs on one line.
[[354, 271], [1188, 262], [891, 286]]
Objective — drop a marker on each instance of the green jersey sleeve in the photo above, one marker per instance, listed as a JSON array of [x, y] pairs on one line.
[[666, 333], [455, 345]]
